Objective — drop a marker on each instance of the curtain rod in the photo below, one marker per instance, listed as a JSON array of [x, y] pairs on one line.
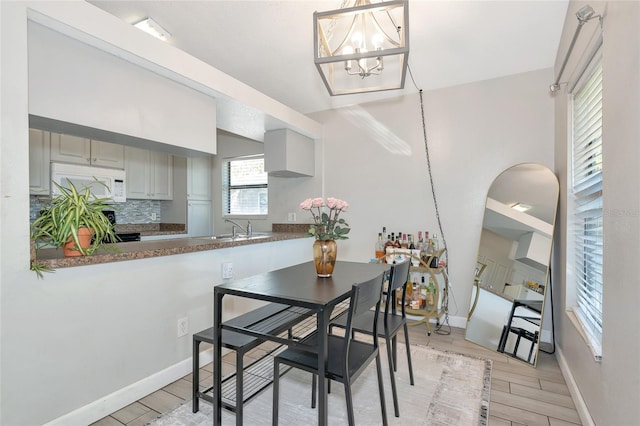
[[585, 14]]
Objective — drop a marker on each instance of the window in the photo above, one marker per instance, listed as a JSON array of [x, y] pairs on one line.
[[245, 186], [586, 220]]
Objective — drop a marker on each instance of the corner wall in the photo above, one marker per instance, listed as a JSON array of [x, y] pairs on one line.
[[606, 391]]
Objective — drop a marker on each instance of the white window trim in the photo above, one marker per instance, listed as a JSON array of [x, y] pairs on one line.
[[572, 309], [249, 216]]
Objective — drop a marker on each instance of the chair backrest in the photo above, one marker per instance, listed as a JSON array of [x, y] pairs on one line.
[[398, 277], [364, 296]]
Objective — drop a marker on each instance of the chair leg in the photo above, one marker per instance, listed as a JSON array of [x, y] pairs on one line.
[[394, 344], [408, 346], [383, 405], [392, 374], [314, 389], [239, 387], [195, 377], [349, 399], [276, 389]]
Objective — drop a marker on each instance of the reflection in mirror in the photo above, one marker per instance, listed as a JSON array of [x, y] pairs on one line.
[[510, 279]]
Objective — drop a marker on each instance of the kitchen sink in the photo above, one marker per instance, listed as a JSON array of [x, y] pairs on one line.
[[241, 237]]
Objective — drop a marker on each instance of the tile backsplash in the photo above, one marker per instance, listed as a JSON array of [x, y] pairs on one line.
[[131, 212]]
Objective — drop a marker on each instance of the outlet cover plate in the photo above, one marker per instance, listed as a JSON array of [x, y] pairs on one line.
[[227, 270]]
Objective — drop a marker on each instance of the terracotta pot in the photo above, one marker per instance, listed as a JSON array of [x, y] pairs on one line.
[[84, 236], [324, 257]]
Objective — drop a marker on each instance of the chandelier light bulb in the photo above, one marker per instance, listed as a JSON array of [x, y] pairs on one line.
[[356, 39], [376, 40]]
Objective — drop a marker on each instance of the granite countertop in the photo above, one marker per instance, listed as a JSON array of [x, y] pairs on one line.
[[149, 229], [54, 258], [497, 293]]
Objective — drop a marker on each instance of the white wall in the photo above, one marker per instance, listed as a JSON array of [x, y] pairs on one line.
[[372, 155], [73, 82], [609, 388], [95, 334]]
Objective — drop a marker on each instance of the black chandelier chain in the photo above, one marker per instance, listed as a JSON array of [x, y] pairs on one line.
[[445, 299]]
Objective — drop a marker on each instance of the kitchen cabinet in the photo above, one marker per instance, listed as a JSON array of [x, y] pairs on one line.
[[39, 162], [149, 174], [74, 149], [199, 218], [199, 178]]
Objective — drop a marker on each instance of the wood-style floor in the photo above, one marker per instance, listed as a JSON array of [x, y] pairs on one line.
[[520, 394]]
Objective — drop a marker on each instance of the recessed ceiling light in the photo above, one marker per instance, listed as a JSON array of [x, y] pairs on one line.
[[150, 26], [521, 207]]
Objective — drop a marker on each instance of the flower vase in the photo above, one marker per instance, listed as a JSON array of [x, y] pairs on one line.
[[324, 257]]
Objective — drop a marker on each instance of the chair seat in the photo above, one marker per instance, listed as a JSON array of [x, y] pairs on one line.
[[360, 354], [364, 323]]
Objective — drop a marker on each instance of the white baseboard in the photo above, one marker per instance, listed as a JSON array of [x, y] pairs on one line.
[[459, 322], [121, 398], [581, 406]]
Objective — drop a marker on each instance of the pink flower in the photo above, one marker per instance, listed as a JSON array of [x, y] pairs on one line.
[[335, 203], [317, 202], [306, 204]]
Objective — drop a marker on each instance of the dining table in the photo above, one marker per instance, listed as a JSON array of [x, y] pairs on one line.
[[300, 287]]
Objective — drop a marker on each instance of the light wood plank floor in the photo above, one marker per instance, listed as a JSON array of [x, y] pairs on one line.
[[520, 394]]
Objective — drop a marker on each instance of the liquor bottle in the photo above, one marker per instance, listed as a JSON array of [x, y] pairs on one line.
[[397, 243], [409, 295], [404, 243], [379, 246], [412, 245], [432, 292], [424, 291], [434, 255]]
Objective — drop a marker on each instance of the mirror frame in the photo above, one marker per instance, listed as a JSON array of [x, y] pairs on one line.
[[497, 320]]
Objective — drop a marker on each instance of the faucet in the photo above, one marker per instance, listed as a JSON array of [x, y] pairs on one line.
[[248, 231]]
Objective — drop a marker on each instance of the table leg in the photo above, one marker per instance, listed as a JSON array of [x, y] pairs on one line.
[[217, 357], [323, 329]]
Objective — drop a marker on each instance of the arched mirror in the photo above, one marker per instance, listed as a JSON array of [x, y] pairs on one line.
[[510, 283]]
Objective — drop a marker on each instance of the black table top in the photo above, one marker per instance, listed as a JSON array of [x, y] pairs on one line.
[[299, 285]]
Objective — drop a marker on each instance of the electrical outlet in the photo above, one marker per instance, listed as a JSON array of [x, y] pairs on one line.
[[291, 217], [227, 270], [154, 216], [183, 326]]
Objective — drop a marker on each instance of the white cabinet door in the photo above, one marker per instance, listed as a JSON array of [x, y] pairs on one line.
[[149, 174], [199, 178], [107, 154], [70, 149], [136, 166], [161, 183], [39, 162], [199, 218]]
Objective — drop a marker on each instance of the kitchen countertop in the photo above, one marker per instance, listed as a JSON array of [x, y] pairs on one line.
[[54, 258]]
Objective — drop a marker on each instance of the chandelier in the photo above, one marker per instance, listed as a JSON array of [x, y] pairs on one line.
[[363, 47]]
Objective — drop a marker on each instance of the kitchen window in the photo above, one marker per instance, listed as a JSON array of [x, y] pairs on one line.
[[245, 188], [586, 232]]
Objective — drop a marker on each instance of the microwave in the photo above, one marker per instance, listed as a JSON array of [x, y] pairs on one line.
[[103, 183]]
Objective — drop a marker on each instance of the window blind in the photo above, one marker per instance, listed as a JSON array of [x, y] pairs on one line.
[[587, 203], [245, 187]]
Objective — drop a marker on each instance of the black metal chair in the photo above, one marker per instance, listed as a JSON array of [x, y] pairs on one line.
[[389, 324], [347, 357]]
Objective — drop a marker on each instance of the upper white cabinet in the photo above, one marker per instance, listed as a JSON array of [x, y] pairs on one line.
[[74, 149], [149, 174], [107, 154], [199, 178], [288, 154], [39, 162]]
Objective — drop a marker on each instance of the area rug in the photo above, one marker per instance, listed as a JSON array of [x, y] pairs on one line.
[[450, 389]]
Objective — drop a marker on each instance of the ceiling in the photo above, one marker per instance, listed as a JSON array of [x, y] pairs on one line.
[[268, 44]]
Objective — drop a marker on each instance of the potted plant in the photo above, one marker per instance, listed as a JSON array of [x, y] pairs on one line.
[[73, 220]]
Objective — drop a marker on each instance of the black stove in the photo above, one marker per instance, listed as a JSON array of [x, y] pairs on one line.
[[122, 237]]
